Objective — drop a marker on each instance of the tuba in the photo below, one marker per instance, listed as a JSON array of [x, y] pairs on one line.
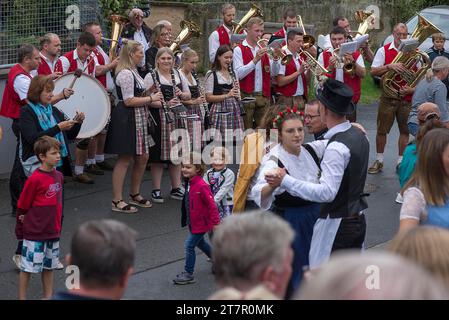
[[255, 11], [189, 29], [118, 22], [392, 82]]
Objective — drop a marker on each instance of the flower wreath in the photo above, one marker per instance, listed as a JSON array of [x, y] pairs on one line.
[[278, 119]]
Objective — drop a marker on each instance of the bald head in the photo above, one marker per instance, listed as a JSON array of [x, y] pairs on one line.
[[426, 110]]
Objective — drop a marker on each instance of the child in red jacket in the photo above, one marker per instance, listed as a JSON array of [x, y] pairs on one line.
[[199, 212], [39, 215]]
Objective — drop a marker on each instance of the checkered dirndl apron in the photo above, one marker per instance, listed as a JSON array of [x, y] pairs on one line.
[[225, 115]]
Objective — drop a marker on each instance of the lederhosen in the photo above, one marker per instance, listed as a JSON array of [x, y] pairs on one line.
[[225, 114], [301, 215]]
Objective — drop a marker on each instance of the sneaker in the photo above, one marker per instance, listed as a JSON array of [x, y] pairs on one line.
[[376, 167], [156, 196], [176, 194], [104, 165], [399, 199], [83, 178], [16, 259], [94, 169], [184, 278], [59, 266]]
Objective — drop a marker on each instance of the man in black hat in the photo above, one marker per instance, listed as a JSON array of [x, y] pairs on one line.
[[344, 167]]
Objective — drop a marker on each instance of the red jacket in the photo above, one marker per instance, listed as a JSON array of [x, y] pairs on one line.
[[202, 208], [355, 83], [290, 89], [44, 68], [41, 203], [101, 62], [248, 83], [11, 102]]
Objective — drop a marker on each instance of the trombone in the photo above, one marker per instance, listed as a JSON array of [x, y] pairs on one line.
[[309, 40]]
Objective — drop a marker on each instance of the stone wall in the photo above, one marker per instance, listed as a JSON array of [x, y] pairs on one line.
[[316, 15]]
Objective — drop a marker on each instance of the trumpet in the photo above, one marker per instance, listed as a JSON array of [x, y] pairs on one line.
[[285, 58], [348, 66], [314, 67]]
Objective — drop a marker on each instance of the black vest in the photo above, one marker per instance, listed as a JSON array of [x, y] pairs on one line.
[[220, 89], [167, 90], [350, 198]]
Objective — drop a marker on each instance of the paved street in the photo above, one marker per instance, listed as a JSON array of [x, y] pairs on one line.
[[160, 253]]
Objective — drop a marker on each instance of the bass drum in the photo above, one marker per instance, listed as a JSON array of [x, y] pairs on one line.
[[90, 97]]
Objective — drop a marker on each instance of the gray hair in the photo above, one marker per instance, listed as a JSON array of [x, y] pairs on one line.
[[226, 7], [164, 23], [246, 244], [135, 11], [373, 275], [104, 251], [25, 51], [440, 63]]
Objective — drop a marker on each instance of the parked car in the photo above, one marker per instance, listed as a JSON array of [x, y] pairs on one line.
[[438, 15]]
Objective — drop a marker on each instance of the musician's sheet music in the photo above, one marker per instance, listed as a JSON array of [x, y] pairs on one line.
[[351, 47]]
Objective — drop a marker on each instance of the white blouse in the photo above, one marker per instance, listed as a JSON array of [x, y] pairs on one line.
[[301, 167], [185, 84], [210, 80], [125, 81], [414, 205]]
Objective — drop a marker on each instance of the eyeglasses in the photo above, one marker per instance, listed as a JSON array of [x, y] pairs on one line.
[[310, 117]]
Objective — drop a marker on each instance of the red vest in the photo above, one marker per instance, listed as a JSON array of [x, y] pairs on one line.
[[389, 57], [247, 84], [11, 102], [355, 83], [74, 64], [290, 89], [101, 62], [44, 69], [223, 36], [281, 33]]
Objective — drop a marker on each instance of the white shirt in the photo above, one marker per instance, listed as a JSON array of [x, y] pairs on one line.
[[379, 58], [109, 81], [302, 167], [139, 36], [296, 59], [22, 84], [333, 165], [243, 70], [51, 64], [327, 42], [339, 73], [214, 42], [80, 64]]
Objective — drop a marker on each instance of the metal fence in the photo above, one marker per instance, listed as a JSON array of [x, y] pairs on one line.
[[24, 21]]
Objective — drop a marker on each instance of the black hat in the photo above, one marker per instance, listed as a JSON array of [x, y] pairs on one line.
[[336, 96]]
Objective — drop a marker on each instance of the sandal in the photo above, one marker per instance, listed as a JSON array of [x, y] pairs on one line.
[[144, 203], [125, 209]]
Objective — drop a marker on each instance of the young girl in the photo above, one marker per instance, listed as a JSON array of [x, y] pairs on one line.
[[199, 212], [221, 181], [427, 192]]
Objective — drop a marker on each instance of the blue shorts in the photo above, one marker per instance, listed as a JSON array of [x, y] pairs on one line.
[[39, 255]]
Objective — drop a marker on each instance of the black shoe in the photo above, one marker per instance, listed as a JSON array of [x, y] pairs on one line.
[[156, 196], [106, 166], [94, 169], [177, 194]]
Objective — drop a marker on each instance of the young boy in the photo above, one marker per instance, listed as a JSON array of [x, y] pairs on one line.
[[438, 40], [39, 213]]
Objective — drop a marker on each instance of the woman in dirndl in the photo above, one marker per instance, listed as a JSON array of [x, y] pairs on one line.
[[129, 133], [301, 162], [223, 92], [175, 88], [197, 105]]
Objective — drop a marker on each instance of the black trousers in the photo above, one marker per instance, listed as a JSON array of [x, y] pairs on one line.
[[350, 234], [17, 178]]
